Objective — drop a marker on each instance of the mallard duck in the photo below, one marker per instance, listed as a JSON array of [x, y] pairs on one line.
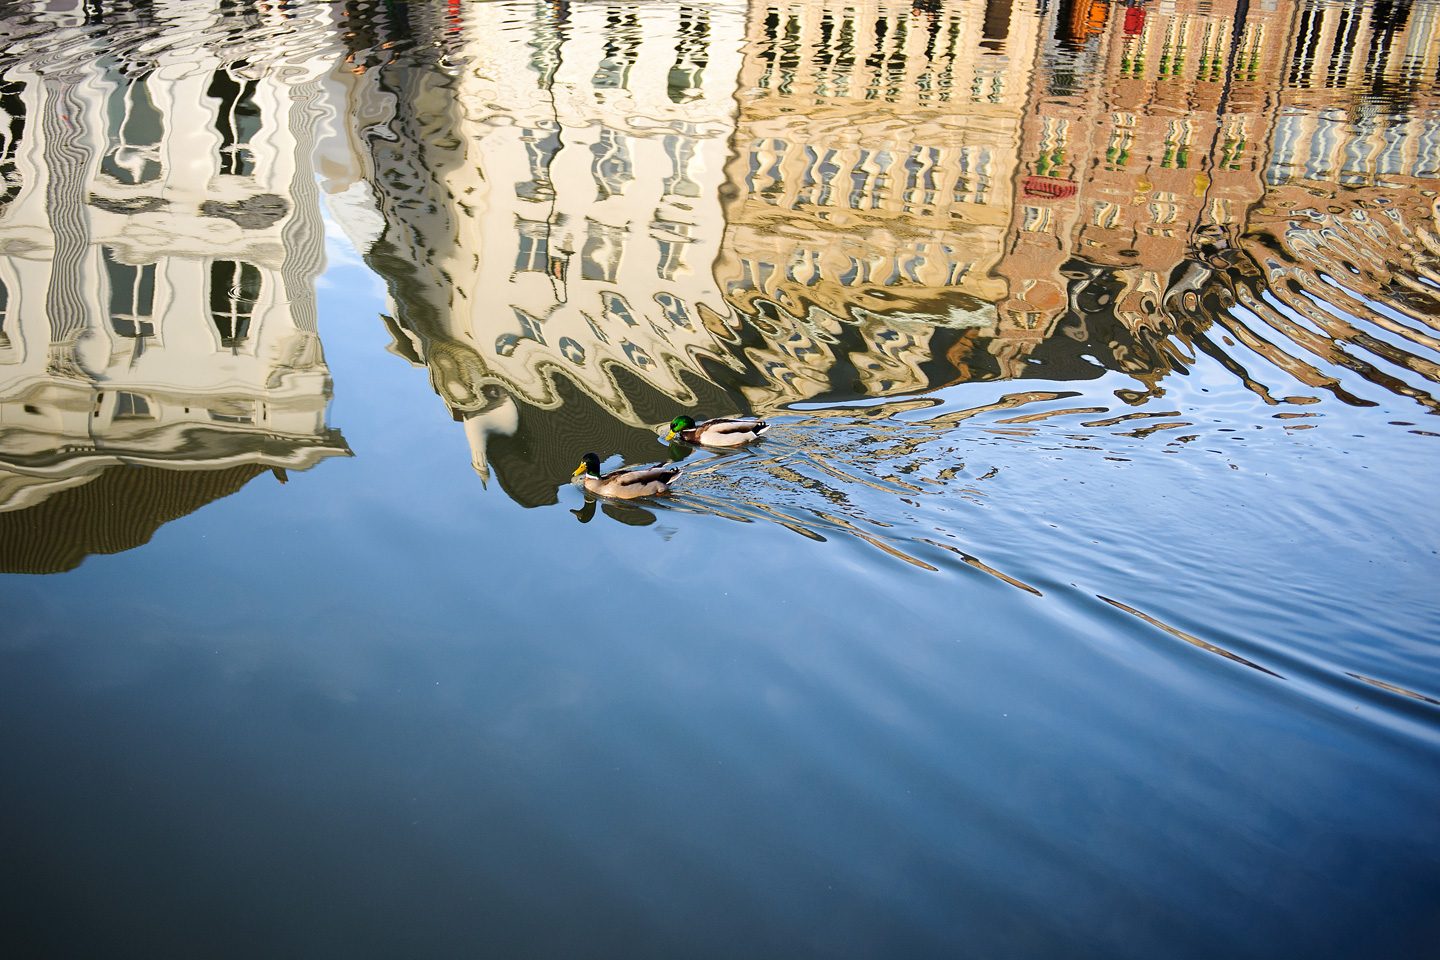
[[626, 483], [718, 432]]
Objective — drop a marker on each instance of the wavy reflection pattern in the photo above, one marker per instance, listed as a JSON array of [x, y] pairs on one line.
[[593, 217], [596, 217], [160, 238]]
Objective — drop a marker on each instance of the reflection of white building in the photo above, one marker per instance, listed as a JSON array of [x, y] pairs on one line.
[[157, 268], [570, 216]]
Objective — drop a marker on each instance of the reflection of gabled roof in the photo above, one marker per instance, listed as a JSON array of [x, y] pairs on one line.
[[119, 510], [60, 505]]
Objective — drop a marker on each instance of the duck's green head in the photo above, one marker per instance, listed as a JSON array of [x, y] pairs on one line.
[[679, 423], [589, 466]]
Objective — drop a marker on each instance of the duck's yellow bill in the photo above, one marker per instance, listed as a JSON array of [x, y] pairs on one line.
[[671, 435], [579, 471]]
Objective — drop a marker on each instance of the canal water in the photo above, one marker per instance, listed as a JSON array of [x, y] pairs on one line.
[[1081, 600]]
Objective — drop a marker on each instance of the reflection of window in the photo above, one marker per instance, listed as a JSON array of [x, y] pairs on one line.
[[616, 308], [680, 150], [674, 309], [131, 406], [600, 257], [622, 46], [132, 296], [12, 128], [1172, 50], [1312, 25], [1232, 151], [611, 167], [957, 272], [1122, 137], [541, 146], [671, 258], [753, 276], [237, 120], [690, 55], [1036, 219], [1054, 137], [1164, 212], [234, 291], [1107, 215], [973, 183], [234, 411], [534, 252], [870, 179], [817, 179], [135, 131], [858, 272], [1222, 210], [804, 267], [1177, 144], [920, 168]]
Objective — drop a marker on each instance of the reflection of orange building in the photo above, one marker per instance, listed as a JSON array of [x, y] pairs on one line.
[[1082, 19], [1122, 168]]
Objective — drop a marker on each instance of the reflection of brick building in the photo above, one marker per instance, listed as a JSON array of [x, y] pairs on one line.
[[1131, 149], [1349, 188], [1173, 157], [159, 245]]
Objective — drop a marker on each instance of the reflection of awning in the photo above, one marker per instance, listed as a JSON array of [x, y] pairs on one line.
[[119, 510]]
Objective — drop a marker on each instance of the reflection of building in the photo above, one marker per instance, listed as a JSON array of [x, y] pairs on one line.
[[1169, 139], [876, 147], [871, 182], [551, 213], [157, 263], [1148, 137], [1349, 188], [591, 218]]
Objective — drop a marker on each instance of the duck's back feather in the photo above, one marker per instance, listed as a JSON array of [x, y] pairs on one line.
[[725, 432], [630, 482]]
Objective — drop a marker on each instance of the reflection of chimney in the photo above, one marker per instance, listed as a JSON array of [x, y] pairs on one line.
[[500, 416], [997, 24]]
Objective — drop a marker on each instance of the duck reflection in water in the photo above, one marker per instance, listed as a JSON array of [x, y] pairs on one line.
[[630, 514]]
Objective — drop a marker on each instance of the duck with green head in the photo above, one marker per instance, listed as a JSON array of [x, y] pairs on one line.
[[627, 483], [716, 432]]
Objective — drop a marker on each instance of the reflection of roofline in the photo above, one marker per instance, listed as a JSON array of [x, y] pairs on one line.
[[119, 509], [185, 446]]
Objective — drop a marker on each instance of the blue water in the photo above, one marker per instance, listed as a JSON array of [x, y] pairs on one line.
[[904, 680]]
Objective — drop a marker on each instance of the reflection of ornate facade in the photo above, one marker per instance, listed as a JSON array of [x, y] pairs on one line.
[[876, 145], [871, 182], [1350, 183], [570, 218], [1213, 126], [157, 268], [1122, 171]]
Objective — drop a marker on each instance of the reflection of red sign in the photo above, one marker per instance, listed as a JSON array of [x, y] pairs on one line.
[[1049, 187], [1134, 20]]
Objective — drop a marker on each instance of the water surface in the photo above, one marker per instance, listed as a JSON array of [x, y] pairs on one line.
[[1079, 603]]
